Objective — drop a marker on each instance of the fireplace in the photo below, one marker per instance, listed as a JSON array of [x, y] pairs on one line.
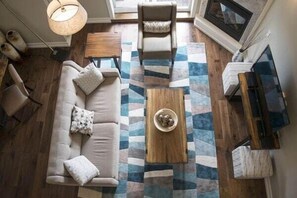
[[229, 16]]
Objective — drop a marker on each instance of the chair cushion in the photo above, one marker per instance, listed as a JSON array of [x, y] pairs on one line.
[[81, 169], [102, 148], [105, 101], [156, 26], [89, 79], [13, 100], [157, 44], [82, 121]]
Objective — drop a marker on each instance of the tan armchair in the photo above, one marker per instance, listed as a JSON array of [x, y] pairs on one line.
[[157, 45]]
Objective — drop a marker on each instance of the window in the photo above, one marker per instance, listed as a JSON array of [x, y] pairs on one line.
[[131, 5]]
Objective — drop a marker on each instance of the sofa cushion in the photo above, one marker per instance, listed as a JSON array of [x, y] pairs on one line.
[[89, 79], [81, 169], [157, 44], [105, 101], [102, 148]]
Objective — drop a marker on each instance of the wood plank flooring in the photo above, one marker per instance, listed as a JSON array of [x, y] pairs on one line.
[[24, 151]]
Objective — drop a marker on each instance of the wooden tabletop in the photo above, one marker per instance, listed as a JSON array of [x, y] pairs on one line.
[[103, 45], [170, 147]]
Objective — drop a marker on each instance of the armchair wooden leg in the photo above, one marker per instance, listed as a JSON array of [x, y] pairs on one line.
[[172, 61], [140, 62], [29, 88], [14, 117], [36, 102]]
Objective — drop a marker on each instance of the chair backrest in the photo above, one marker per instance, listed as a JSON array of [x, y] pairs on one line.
[[17, 79], [162, 11]]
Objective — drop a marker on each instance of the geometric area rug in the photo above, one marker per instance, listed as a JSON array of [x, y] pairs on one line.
[[137, 178]]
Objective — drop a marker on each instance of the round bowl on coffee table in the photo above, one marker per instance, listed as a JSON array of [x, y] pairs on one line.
[[165, 111]]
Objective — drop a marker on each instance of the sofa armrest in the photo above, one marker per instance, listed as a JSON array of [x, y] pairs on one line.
[[110, 72], [173, 38], [73, 64], [140, 27], [68, 181], [140, 39], [173, 42], [173, 28], [107, 72]]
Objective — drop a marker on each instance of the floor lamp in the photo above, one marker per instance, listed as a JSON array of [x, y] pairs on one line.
[[66, 17], [56, 54]]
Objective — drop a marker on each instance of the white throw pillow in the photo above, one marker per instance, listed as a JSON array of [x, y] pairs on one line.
[[89, 79], [156, 26], [82, 121], [81, 169]]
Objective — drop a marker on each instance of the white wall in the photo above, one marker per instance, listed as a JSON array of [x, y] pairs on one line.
[[33, 13], [97, 10], [281, 21]]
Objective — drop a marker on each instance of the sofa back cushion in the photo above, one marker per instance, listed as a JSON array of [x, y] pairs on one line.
[[64, 145]]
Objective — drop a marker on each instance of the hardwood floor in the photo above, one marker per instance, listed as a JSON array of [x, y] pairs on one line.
[[24, 152]]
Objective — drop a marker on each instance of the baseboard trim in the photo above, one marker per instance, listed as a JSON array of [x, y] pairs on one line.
[[51, 44], [268, 187], [99, 20]]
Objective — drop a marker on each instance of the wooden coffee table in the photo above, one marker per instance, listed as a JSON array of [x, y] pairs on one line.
[[104, 45], [166, 147]]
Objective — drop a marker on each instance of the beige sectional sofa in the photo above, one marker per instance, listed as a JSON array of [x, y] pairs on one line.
[[102, 148]]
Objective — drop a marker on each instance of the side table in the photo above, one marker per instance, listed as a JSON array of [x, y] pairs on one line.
[[104, 45]]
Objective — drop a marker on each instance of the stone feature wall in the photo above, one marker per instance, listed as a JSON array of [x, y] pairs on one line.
[[255, 6]]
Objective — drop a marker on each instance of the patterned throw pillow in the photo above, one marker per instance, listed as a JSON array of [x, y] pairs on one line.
[[156, 26], [89, 79], [82, 121]]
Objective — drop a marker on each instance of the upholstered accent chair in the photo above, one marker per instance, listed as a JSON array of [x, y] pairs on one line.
[[157, 45], [16, 96]]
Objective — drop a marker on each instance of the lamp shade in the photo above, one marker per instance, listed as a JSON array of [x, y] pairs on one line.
[[66, 17]]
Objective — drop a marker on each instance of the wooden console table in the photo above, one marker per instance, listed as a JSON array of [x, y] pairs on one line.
[[104, 45], [256, 114]]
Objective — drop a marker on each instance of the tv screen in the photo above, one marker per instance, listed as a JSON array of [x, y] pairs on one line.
[[266, 70]]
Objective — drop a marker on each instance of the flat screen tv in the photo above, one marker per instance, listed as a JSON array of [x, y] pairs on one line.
[[266, 71]]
